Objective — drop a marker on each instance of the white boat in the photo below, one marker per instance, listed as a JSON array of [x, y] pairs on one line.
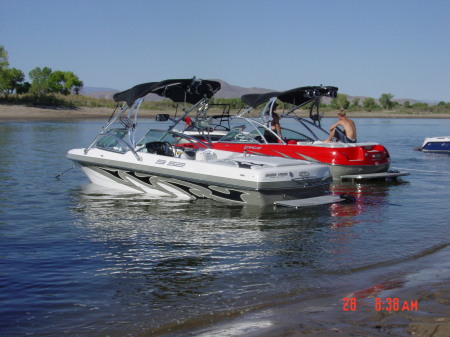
[[169, 163], [436, 144]]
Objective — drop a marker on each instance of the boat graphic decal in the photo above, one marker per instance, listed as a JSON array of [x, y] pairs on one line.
[[250, 151], [196, 190], [176, 164], [281, 154], [308, 158], [203, 191], [143, 178], [114, 173]]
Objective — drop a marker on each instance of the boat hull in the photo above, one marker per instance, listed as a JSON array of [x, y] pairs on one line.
[[436, 144], [190, 180], [342, 159]]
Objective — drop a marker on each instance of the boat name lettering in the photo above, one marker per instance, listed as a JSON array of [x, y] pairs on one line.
[[160, 161], [174, 163]]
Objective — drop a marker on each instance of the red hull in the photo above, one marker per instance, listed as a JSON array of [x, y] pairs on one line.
[[335, 154]]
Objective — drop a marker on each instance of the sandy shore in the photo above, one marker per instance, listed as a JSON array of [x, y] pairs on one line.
[[423, 310], [417, 304], [22, 112]]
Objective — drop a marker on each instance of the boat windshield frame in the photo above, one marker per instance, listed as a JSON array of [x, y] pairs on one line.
[[297, 98], [193, 91]]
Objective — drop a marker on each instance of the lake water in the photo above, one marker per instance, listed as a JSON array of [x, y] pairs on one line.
[[77, 262]]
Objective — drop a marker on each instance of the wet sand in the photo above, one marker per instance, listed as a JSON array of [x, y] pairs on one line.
[[417, 304], [22, 112], [423, 310]]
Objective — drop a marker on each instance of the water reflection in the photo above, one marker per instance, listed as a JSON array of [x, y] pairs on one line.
[[170, 249], [203, 256], [370, 198]]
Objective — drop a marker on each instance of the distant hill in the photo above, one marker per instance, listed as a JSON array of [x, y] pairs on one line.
[[226, 91], [104, 93], [233, 91]]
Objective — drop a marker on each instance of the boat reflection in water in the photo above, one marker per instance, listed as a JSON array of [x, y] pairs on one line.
[[369, 198], [169, 261]]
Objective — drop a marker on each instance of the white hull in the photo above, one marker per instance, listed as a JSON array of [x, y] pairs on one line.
[[217, 175]]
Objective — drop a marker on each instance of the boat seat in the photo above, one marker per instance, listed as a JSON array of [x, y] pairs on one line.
[[206, 155], [161, 148]]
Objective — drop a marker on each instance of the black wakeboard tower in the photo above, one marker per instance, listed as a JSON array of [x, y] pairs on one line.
[[193, 91], [297, 97]]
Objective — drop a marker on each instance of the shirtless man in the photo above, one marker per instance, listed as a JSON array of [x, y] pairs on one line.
[[347, 124], [275, 123], [274, 126]]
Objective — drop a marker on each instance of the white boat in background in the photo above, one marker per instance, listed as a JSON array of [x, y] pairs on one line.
[[436, 144], [169, 163]]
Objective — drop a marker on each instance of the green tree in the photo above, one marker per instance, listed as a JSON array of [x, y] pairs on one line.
[[407, 105], [386, 101], [58, 82], [3, 67], [40, 85], [340, 102], [355, 102], [420, 106], [369, 104], [10, 80], [23, 88], [71, 83], [3, 58]]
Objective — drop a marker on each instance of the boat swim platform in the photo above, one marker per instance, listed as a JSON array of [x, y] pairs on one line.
[[315, 201], [380, 175]]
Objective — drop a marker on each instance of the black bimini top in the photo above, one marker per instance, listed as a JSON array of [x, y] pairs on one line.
[[297, 96], [178, 90]]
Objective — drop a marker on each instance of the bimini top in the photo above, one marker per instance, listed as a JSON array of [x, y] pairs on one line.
[[297, 96], [178, 90]]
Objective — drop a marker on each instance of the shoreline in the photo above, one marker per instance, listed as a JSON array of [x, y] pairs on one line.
[[423, 298], [26, 113]]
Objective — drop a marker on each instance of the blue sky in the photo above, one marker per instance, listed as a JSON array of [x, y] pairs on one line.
[[365, 48]]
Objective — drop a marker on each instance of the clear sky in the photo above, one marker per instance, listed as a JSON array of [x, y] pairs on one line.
[[364, 47]]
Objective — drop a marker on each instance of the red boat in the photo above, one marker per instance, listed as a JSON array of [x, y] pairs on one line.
[[302, 138]]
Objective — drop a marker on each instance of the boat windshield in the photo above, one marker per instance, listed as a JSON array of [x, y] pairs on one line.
[[239, 135], [304, 129], [173, 138], [292, 129], [113, 140]]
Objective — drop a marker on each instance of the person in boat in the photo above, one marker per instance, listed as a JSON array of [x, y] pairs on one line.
[[274, 126], [188, 121], [348, 125]]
